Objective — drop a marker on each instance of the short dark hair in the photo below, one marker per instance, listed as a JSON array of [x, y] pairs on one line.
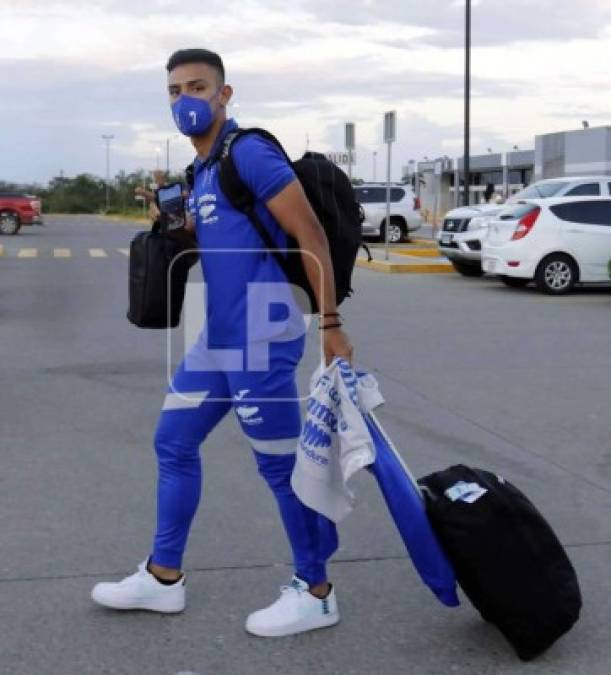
[[183, 56]]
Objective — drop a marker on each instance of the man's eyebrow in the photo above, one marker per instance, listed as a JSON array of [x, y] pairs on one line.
[[189, 83]]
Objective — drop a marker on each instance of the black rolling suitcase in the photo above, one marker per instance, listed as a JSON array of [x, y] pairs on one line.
[[507, 559], [158, 271]]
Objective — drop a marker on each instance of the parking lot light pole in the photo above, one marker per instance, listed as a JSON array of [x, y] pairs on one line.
[[167, 152], [466, 162], [107, 138]]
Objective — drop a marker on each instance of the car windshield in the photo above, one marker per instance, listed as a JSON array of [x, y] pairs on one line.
[[539, 191]]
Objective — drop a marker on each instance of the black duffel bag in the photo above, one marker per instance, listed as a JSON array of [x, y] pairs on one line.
[[507, 559], [156, 286]]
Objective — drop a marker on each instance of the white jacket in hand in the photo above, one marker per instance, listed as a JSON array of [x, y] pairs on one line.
[[335, 441]]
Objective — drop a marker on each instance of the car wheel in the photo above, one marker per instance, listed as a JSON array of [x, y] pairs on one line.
[[397, 231], [514, 282], [9, 223], [468, 270], [556, 274]]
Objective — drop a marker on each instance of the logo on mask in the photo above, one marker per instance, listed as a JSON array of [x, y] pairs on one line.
[[193, 116]]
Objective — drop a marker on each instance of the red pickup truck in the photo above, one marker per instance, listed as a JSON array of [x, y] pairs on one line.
[[17, 209]]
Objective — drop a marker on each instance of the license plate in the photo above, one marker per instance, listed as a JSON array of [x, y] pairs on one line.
[[489, 265], [446, 238]]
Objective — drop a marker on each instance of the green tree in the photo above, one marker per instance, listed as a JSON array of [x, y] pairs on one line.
[[86, 193]]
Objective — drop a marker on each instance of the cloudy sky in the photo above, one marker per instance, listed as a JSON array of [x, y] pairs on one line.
[[72, 71]]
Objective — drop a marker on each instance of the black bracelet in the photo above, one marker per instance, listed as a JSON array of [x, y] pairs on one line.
[[330, 325], [323, 316]]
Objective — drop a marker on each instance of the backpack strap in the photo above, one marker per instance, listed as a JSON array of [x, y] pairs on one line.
[[190, 175], [239, 194]]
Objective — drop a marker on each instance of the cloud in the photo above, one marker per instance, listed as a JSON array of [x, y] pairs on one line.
[[494, 22], [72, 72]]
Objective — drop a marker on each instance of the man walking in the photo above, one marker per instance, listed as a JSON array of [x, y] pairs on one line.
[[245, 359]]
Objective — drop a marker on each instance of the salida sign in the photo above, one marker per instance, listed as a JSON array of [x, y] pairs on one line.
[[341, 158]]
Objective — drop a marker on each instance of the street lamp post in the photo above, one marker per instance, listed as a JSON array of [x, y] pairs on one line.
[[107, 138], [167, 152], [466, 162]]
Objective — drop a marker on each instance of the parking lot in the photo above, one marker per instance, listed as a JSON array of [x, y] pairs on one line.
[[473, 372]]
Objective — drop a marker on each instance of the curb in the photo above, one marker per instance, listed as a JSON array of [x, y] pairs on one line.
[[430, 243], [416, 243], [135, 220], [405, 268], [418, 253]]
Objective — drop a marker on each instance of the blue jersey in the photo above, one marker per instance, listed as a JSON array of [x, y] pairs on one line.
[[224, 236]]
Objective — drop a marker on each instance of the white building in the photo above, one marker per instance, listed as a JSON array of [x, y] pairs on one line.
[[569, 153]]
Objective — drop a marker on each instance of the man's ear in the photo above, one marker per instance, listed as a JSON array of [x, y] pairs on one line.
[[226, 94]]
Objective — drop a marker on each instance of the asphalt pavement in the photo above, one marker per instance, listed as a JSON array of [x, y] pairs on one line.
[[472, 372]]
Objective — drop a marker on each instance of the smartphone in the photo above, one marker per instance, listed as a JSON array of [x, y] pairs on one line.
[[171, 203]]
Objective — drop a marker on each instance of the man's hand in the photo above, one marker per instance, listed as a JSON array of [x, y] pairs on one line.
[[149, 196], [336, 343], [154, 211]]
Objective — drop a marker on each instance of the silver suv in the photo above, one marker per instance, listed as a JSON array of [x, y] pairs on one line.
[[405, 214], [464, 228]]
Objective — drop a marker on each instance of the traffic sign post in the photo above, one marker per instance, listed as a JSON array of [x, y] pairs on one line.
[[350, 145], [390, 136]]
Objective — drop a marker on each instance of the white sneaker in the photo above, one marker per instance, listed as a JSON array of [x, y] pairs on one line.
[[141, 591], [295, 611]]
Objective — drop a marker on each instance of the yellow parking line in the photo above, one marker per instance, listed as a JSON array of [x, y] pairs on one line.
[[27, 253], [425, 242], [125, 251], [62, 253], [98, 253]]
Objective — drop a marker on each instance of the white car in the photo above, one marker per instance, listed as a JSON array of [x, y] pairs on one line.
[[556, 243], [464, 228], [405, 214]]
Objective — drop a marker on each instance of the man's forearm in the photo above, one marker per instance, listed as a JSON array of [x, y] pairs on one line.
[[319, 269]]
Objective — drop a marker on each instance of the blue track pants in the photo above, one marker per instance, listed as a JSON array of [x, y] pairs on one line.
[[265, 404]]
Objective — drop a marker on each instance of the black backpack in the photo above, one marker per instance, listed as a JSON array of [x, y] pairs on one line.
[[332, 198], [506, 557]]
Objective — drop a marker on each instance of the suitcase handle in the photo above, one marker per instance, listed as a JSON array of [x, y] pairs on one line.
[[429, 495]]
